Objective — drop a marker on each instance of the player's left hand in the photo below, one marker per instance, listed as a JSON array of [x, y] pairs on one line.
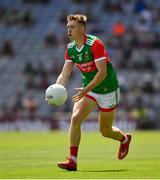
[[81, 93]]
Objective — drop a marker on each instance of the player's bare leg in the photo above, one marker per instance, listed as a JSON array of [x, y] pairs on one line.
[[81, 110], [107, 130]]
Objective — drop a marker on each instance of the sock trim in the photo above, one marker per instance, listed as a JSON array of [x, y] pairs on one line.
[[124, 140], [74, 159]]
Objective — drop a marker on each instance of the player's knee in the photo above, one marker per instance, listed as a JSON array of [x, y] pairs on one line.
[[76, 119], [106, 132]]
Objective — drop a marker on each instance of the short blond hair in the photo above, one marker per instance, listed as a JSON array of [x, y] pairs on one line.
[[79, 18]]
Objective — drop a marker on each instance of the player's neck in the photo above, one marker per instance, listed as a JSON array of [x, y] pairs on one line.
[[80, 41]]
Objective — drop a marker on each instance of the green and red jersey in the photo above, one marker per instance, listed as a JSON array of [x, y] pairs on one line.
[[84, 58]]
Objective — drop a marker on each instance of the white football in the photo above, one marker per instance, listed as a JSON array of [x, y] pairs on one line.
[[56, 94]]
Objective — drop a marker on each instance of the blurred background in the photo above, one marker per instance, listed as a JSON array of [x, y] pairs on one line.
[[33, 40]]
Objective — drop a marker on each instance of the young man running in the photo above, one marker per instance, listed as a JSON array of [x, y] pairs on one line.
[[100, 88]]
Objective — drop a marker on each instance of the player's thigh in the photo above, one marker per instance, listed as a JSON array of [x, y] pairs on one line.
[[82, 108], [106, 120]]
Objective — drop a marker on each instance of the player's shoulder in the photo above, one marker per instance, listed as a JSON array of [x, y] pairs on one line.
[[71, 44], [92, 40]]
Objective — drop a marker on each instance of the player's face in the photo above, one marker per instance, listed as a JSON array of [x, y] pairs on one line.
[[74, 30]]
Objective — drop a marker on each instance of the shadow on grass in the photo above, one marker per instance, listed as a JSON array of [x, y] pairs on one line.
[[105, 170]]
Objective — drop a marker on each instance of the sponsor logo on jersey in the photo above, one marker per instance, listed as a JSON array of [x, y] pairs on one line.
[[87, 67]]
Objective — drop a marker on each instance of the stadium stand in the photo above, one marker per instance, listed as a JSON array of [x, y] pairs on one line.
[[33, 39]]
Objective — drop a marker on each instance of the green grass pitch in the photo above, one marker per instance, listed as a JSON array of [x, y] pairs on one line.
[[34, 155]]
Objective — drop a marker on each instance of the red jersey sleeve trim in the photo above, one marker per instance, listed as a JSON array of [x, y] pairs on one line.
[[68, 60], [100, 59]]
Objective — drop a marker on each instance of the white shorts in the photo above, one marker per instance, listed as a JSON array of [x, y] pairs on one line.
[[105, 102]]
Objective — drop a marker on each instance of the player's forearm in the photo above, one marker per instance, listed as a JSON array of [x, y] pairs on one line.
[[63, 80], [97, 79], [65, 74]]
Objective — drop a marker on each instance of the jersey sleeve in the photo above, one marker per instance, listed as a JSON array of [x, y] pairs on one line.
[[67, 58], [99, 51]]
